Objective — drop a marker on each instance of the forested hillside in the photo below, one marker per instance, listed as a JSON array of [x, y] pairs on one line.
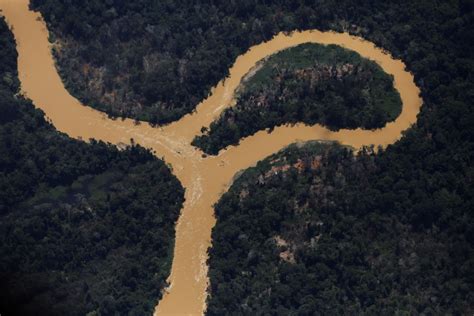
[[309, 83], [83, 227]]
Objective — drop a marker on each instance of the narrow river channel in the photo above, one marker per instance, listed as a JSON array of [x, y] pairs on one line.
[[205, 179]]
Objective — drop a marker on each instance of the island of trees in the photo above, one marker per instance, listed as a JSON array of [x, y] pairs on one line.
[[84, 228], [309, 83]]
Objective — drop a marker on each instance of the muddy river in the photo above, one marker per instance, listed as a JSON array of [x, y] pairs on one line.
[[205, 179]]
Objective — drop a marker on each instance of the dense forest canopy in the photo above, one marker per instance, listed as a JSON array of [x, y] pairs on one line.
[[309, 83], [83, 227], [315, 230]]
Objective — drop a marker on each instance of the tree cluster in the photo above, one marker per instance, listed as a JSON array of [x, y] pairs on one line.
[[310, 84]]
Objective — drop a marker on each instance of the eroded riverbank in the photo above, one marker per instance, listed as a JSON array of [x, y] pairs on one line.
[[205, 179]]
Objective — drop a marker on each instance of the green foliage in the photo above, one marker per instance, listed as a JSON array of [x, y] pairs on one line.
[[309, 83], [83, 227], [315, 230]]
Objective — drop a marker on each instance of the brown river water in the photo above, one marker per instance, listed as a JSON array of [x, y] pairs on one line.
[[205, 179]]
